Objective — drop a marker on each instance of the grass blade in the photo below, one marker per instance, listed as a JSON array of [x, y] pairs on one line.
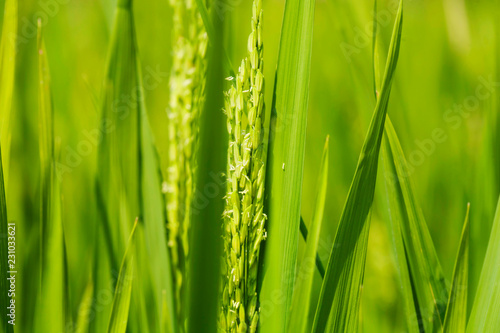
[[7, 76], [53, 292], [158, 265], [420, 272], [455, 320], [393, 210], [4, 285], [7, 68], [207, 207], [128, 185], [123, 291], [286, 159], [118, 152], [424, 268], [304, 233], [345, 269], [484, 316], [211, 32], [117, 174], [85, 309], [302, 295]]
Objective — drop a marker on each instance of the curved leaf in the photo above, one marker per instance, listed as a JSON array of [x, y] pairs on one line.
[[484, 316], [344, 273], [428, 282], [455, 320]]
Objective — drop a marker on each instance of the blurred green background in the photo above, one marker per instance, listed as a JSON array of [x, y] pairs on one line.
[[450, 48]]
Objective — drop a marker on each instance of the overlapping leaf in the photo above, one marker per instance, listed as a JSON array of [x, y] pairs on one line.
[[52, 294], [123, 291], [428, 282], [455, 320], [303, 290], [344, 273], [484, 315], [391, 196], [286, 161], [4, 285], [129, 183], [207, 206]]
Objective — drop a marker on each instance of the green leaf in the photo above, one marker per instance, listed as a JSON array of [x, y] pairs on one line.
[[304, 233], [118, 175], [375, 53], [85, 309], [8, 45], [118, 190], [52, 295], [209, 27], [129, 184], [428, 282], [303, 289], [166, 315], [344, 273], [455, 320], [7, 70], [286, 162], [392, 205], [207, 207], [4, 275], [123, 291], [484, 316], [158, 265]]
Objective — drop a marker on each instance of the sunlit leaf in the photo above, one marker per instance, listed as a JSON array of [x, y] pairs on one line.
[[286, 162], [302, 294], [123, 291], [484, 316], [455, 320], [52, 294], [428, 282], [8, 44], [341, 289]]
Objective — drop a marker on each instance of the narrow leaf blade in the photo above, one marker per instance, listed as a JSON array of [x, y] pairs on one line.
[[207, 206], [123, 291], [392, 208], [4, 276], [302, 295], [345, 270], [484, 316], [52, 294], [7, 76], [456, 313], [85, 309], [424, 268], [286, 161]]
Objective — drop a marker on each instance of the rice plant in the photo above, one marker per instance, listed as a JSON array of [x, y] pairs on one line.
[[350, 185], [245, 218], [187, 85]]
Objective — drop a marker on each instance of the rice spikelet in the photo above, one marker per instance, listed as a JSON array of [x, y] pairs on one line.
[[187, 85], [244, 219]]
